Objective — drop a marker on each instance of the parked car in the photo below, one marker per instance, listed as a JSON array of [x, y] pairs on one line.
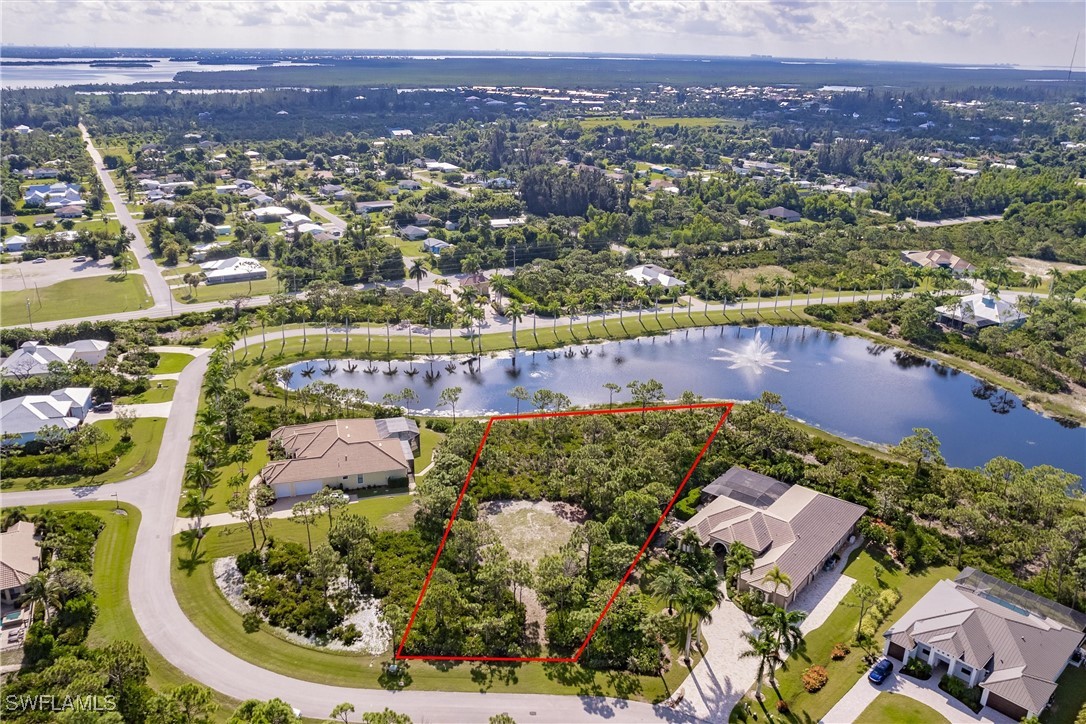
[[39, 260], [881, 671], [104, 407], [80, 258]]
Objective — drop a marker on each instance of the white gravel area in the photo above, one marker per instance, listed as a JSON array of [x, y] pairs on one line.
[[375, 633]]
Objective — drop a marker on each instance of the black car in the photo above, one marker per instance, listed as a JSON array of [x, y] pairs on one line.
[[104, 407]]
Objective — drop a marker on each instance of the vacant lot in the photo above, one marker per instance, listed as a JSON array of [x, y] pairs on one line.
[[530, 531], [76, 298]]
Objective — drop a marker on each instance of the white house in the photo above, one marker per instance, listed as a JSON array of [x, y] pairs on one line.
[[33, 357], [989, 633], [22, 130], [22, 417], [655, 276], [226, 189], [982, 310], [296, 220], [506, 223], [410, 185], [15, 243], [53, 196], [272, 213], [233, 269]]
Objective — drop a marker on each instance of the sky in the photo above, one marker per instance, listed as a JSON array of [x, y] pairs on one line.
[[1023, 32]]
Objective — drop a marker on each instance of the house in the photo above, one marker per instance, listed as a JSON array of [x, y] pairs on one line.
[[478, 282], [233, 269], [410, 184], [22, 417], [33, 357], [296, 220], [53, 196], [330, 189], [981, 310], [22, 130], [20, 560], [222, 230], [226, 189], [435, 246], [369, 207], [344, 454], [413, 233], [15, 243], [38, 172], [309, 228], [69, 212], [779, 213], [654, 276], [937, 259], [199, 252], [244, 184], [1011, 643], [452, 225], [424, 219], [499, 183], [507, 223], [787, 526], [271, 213], [441, 166], [261, 199], [400, 132]]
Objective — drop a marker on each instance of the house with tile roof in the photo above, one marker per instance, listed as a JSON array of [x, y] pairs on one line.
[[971, 631], [937, 259], [786, 526], [20, 560], [343, 454]]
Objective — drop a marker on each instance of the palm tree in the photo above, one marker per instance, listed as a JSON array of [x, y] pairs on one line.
[[740, 558], [783, 626], [41, 589], [326, 315], [761, 646], [264, 317], [303, 313], [418, 272], [514, 313], [196, 506], [1033, 282], [697, 605], [669, 583], [778, 579]]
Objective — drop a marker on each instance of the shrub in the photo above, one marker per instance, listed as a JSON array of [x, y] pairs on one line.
[[840, 651], [814, 678], [825, 312], [917, 668], [970, 696], [879, 325], [688, 505], [247, 561], [251, 622], [439, 424], [348, 634]]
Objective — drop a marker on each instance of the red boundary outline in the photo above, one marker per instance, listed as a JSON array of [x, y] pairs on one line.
[[727, 406]]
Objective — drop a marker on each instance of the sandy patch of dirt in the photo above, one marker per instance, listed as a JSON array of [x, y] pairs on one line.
[[530, 530], [401, 519], [1039, 267]]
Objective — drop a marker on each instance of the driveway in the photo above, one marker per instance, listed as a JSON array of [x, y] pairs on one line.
[[26, 275], [151, 409], [927, 692]]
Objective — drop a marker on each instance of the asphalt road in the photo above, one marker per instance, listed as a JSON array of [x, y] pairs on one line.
[[160, 290], [165, 625]]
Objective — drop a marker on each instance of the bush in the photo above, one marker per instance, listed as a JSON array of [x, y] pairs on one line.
[[970, 696], [840, 651], [347, 634], [439, 424], [688, 505], [917, 668], [825, 312], [814, 678], [879, 325], [251, 622], [247, 561]]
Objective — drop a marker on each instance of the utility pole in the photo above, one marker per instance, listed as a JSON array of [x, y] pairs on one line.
[[28, 318]]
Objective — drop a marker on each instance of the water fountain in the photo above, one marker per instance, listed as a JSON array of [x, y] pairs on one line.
[[754, 356]]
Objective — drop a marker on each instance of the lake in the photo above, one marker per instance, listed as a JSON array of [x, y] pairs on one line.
[[47, 76], [844, 385]]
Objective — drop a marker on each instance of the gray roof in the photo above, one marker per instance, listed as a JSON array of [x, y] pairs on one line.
[[1024, 651], [747, 487]]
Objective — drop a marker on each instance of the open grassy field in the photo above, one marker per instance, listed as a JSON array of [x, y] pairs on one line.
[[890, 708], [91, 296], [840, 627], [628, 123], [171, 362], [200, 598], [138, 459]]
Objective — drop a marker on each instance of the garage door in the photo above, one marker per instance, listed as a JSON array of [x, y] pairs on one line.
[[308, 487]]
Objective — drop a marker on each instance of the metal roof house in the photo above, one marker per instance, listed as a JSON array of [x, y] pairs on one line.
[[997, 637], [982, 310]]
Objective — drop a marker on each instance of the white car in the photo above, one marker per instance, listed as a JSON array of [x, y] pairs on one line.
[[39, 260]]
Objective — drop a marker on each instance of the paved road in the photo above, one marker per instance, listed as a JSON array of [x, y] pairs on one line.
[[160, 290], [423, 175], [165, 625], [335, 221]]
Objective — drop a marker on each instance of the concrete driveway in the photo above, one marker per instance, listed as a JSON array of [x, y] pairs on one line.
[[151, 409], [927, 692]]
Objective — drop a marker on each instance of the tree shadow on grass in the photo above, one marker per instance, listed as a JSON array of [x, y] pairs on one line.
[[395, 675], [574, 676], [486, 674], [193, 562]]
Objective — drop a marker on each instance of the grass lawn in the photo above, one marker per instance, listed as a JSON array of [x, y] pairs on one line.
[[220, 292], [428, 440], [115, 621], [88, 297], [221, 493], [200, 598], [146, 439], [889, 707], [841, 627], [171, 362], [160, 391], [1069, 699]]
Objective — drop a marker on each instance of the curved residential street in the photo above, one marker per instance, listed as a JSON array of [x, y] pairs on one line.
[[156, 493]]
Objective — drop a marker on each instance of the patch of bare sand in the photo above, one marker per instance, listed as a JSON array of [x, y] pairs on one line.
[[530, 530], [1040, 267], [401, 519]]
